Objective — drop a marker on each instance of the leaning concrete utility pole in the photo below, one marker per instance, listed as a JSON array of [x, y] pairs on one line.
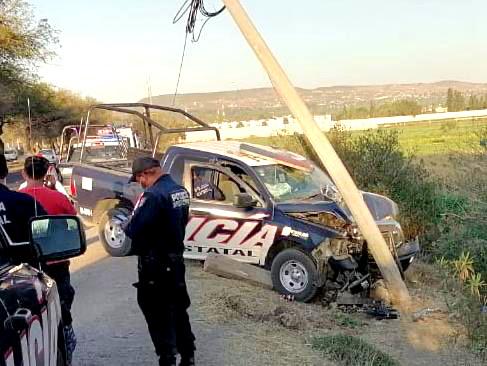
[[349, 191]]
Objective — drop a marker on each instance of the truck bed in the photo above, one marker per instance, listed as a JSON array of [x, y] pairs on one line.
[[124, 166]]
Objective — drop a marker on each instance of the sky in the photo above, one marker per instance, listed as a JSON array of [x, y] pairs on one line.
[[113, 49]]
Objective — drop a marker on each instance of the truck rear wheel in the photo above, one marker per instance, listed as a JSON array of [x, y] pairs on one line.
[[294, 273], [111, 233]]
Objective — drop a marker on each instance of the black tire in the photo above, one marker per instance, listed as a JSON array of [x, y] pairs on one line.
[[303, 285], [115, 245]]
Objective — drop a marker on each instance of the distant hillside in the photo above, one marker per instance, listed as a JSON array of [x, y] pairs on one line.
[[264, 103]]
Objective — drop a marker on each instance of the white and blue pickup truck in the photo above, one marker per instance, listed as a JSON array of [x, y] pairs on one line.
[[267, 207]]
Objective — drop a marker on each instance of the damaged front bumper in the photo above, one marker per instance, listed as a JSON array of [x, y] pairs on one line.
[[406, 252], [346, 254]]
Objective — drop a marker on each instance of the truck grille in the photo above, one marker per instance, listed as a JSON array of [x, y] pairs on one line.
[[393, 239], [389, 238]]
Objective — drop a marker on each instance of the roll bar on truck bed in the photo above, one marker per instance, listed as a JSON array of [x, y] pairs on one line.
[[148, 122]]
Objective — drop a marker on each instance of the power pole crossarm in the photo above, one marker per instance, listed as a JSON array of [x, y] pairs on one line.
[[326, 153]]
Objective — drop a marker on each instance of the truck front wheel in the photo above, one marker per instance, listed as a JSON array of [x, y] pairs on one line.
[[111, 233], [294, 273]]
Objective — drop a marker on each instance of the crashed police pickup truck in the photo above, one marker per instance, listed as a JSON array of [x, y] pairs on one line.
[[252, 203], [31, 330]]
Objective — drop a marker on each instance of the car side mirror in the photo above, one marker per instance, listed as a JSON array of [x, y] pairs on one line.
[[244, 200], [57, 237]]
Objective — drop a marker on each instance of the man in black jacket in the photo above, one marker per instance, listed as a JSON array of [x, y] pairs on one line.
[[156, 230]]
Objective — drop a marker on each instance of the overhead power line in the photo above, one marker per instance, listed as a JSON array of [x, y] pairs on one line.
[[192, 8]]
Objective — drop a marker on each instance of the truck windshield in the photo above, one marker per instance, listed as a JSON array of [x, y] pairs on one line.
[[287, 183], [96, 154]]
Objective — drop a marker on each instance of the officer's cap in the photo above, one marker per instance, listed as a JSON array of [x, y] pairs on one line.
[[141, 164]]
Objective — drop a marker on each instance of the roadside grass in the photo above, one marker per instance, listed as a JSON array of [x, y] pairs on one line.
[[440, 138], [351, 351], [421, 139], [347, 321]]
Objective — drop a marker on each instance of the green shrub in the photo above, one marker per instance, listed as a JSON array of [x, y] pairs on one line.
[[459, 240], [351, 351], [467, 299]]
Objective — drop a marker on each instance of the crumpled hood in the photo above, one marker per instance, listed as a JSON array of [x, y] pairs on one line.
[[381, 207], [315, 206]]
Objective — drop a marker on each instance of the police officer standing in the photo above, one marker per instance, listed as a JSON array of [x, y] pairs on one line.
[[156, 230]]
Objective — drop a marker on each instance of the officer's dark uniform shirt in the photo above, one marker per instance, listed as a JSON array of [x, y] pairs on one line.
[[158, 226], [15, 211]]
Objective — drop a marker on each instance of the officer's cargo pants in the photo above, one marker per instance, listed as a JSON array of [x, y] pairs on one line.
[[164, 302]]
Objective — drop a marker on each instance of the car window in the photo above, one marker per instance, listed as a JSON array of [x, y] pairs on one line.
[[95, 154], [239, 172], [213, 185], [204, 185]]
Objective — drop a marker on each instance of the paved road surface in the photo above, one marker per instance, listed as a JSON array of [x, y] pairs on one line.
[[14, 179]]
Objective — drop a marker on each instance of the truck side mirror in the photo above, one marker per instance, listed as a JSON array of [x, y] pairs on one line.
[[57, 237], [244, 200]]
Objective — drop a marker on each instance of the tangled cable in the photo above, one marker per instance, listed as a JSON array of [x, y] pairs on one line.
[[193, 7]]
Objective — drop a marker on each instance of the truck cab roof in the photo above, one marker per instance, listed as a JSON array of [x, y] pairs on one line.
[[250, 154]]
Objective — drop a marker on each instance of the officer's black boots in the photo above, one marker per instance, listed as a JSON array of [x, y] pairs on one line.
[[167, 361], [171, 361], [187, 361]]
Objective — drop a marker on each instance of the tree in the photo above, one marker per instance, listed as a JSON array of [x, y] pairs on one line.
[[458, 101], [473, 102], [455, 101], [372, 109], [449, 100], [24, 43]]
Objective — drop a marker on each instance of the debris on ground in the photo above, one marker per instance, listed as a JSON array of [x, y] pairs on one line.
[[275, 324], [287, 297], [423, 313], [380, 310], [379, 292]]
